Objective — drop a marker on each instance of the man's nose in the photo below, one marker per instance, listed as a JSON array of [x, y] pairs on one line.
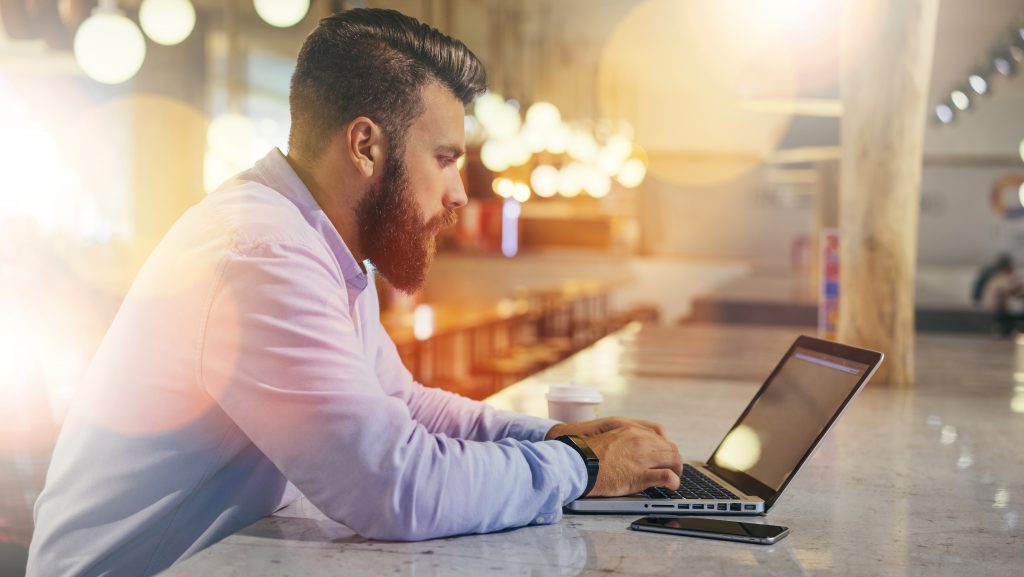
[[455, 193]]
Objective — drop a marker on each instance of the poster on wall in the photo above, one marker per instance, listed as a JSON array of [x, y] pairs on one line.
[[828, 299]]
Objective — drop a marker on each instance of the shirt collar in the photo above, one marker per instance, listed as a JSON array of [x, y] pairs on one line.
[[279, 175]]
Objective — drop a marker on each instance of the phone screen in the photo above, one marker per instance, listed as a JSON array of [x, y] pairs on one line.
[[711, 527]]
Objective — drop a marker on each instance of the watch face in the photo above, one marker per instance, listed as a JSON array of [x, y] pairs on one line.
[[580, 445]]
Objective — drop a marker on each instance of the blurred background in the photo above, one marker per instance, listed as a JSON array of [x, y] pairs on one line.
[[668, 161]]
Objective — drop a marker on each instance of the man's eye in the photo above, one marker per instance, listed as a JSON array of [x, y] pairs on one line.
[[445, 160]]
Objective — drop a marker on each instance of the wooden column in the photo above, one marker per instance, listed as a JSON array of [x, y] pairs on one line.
[[886, 67]]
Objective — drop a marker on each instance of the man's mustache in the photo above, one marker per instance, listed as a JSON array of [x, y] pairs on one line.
[[447, 219]]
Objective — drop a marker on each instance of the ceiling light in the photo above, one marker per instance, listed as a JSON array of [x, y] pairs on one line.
[[978, 83], [960, 99], [944, 113], [281, 13], [108, 46], [1004, 63], [167, 22]]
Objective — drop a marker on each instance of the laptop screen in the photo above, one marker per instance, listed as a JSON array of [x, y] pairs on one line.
[[784, 422]]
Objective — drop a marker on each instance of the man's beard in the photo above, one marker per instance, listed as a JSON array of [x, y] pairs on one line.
[[391, 230]]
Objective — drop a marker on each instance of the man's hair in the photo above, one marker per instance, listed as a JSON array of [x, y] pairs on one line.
[[373, 63]]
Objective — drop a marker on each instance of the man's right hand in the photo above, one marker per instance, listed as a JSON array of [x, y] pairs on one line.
[[633, 459]]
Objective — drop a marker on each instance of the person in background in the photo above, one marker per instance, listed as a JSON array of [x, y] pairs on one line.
[[248, 363], [999, 290], [986, 272]]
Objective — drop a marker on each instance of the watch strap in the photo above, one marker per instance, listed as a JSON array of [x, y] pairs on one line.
[[590, 459]]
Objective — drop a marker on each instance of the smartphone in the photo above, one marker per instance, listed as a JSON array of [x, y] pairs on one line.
[[711, 529]]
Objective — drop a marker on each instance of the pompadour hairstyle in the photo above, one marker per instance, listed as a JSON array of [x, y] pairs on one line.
[[373, 62]]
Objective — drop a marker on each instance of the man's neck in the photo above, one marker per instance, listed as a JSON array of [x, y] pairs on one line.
[[338, 204]]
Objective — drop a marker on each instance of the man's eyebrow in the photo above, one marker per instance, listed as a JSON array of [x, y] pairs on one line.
[[450, 149]]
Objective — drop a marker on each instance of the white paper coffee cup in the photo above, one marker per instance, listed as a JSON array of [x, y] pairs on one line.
[[572, 403]]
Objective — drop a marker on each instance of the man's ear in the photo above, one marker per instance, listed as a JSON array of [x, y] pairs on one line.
[[364, 143]]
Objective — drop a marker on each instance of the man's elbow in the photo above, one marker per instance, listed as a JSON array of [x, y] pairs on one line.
[[387, 527], [395, 519]]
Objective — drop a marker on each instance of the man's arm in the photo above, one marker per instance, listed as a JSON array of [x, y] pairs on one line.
[[456, 416], [282, 357], [442, 411]]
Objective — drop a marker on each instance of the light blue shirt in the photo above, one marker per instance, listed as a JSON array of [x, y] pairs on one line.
[[249, 357]]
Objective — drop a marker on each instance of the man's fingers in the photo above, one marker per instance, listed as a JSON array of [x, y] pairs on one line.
[[665, 459], [660, 478]]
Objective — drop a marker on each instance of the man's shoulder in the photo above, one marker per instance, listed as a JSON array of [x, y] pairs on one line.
[[252, 213]]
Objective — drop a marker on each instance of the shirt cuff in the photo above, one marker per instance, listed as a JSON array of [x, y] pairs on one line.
[[527, 428], [572, 480], [577, 473]]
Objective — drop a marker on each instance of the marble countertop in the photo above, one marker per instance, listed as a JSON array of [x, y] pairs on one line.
[[922, 481]]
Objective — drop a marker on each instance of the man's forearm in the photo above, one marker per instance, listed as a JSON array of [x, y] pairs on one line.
[[461, 418]]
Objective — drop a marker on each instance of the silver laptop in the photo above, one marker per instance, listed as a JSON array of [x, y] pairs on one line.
[[785, 421]]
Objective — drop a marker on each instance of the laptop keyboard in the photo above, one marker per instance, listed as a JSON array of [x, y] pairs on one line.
[[693, 485]]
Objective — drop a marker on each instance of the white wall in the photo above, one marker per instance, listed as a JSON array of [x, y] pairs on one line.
[[734, 220], [958, 225]]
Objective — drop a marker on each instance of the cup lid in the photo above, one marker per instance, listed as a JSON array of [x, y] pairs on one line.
[[573, 393]]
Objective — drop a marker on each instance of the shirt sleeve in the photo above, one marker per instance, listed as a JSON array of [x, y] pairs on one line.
[[282, 357], [457, 416], [443, 411]]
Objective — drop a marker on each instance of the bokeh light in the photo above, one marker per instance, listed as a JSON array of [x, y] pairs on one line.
[[960, 99], [709, 55], [521, 192], [109, 47], [740, 450], [613, 154], [632, 173], [597, 184], [167, 22], [234, 142], [487, 107], [503, 187], [544, 180], [494, 155], [423, 322], [944, 113], [1004, 63], [978, 83], [582, 146], [282, 13], [510, 212], [543, 115], [571, 179]]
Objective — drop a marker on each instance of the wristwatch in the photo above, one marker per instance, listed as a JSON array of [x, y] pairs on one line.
[[589, 459]]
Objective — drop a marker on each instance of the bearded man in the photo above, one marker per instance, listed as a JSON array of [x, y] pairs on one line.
[[247, 364]]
